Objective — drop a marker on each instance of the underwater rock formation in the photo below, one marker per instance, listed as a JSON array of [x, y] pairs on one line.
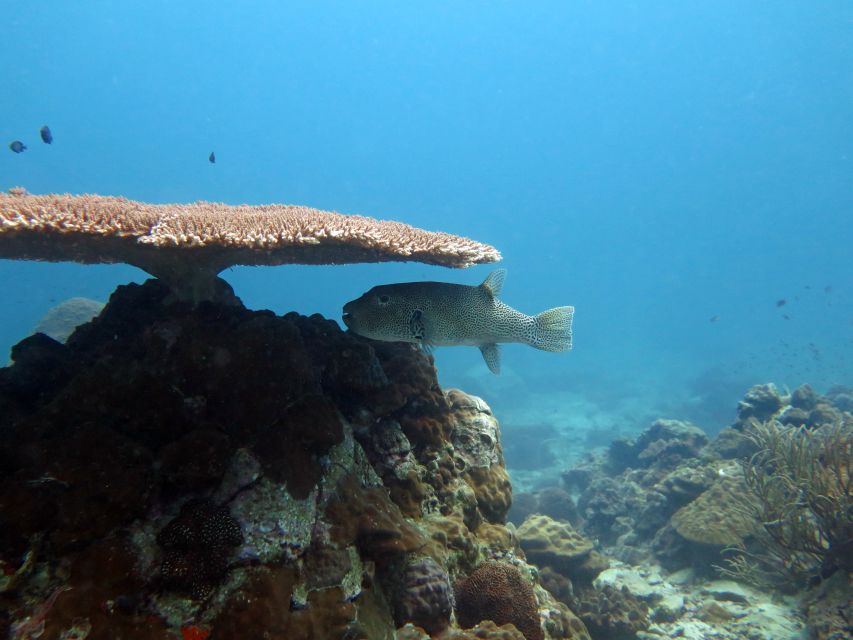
[[203, 470]]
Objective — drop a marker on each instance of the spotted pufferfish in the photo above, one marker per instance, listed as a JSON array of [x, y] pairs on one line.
[[436, 314]]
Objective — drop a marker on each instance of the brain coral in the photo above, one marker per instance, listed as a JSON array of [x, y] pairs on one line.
[[715, 517], [498, 592]]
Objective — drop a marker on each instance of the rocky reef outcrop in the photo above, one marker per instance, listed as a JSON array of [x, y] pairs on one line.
[[207, 471]]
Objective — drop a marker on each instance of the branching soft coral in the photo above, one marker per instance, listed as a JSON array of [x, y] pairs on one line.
[[800, 491]]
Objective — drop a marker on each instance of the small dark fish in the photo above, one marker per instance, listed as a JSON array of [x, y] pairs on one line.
[[46, 135], [17, 146], [786, 316], [827, 288], [781, 303], [212, 158], [714, 318]]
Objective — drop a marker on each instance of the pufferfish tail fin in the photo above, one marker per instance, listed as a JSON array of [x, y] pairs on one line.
[[552, 329]]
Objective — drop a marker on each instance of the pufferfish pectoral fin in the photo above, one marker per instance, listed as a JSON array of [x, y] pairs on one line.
[[492, 355], [418, 330], [417, 326]]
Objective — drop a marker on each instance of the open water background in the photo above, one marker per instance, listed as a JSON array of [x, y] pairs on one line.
[[655, 164]]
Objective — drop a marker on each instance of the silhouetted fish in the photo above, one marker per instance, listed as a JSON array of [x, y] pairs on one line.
[[714, 318], [827, 288], [46, 135], [212, 157], [781, 303], [17, 146]]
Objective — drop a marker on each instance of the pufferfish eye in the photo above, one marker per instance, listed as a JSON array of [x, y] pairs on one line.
[[384, 299]]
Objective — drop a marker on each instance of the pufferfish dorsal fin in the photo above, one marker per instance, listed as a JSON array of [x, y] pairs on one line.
[[492, 355], [495, 282]]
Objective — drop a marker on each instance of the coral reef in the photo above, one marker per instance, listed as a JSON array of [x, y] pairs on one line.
[[770, 494], [182, 469]]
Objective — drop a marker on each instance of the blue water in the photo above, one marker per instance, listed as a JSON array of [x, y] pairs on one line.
[[655, 164]]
